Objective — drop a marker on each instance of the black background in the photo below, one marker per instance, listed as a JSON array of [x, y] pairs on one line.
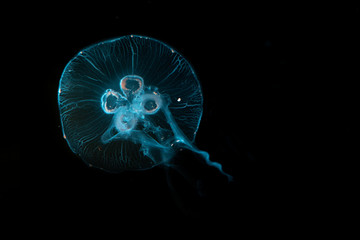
[[279, 114]]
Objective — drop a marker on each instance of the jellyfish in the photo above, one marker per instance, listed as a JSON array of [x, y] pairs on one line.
[[130, 103]]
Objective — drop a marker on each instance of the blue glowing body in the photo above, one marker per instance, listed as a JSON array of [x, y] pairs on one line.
[[130, 103]]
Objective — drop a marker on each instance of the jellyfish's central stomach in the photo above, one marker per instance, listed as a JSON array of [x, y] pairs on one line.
[[133, 107]]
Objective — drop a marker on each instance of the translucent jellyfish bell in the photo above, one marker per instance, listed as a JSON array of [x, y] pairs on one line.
[[130, 103]]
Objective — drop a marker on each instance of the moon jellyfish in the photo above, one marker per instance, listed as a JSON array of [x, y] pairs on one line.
[[130, 103]]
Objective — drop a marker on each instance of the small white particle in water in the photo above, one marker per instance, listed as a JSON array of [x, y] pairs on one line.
[[179, 99]]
